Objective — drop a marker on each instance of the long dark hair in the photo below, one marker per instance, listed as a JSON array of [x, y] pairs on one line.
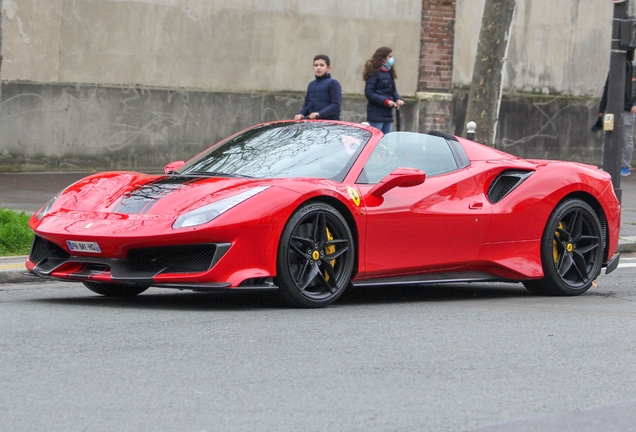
[[375, 63]]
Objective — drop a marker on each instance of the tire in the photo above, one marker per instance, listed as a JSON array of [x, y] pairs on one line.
[[115, 290], [572, 251], [315, 257]]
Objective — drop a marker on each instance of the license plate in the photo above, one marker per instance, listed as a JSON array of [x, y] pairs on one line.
[[76, 246]]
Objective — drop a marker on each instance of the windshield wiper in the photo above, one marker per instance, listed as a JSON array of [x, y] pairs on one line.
[[213, 174]]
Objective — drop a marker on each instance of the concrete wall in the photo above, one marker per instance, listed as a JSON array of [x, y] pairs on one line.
[[214, 45], [542, 126], [60, 127]]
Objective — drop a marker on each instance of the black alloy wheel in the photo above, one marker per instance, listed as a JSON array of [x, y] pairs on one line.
[[115, 290], [572, 251], [315, 256]]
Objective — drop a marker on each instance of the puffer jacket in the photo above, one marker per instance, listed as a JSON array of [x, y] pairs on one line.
[[379, 89], [324, 96]]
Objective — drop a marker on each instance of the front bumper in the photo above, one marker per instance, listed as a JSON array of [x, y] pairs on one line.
[[612, 263], [180, 266]]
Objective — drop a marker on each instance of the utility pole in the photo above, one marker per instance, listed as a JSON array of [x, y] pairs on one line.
[[613, 139], [1, 50]]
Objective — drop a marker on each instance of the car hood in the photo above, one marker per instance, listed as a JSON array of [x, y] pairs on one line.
[[140, 194]]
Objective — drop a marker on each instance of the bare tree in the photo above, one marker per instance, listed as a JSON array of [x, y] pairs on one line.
[[485, 87]]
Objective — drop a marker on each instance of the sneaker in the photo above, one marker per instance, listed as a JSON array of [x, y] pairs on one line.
[[625, 171]]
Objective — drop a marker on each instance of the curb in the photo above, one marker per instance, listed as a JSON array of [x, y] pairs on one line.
[[17, 274], [18, 277], [629, 247]]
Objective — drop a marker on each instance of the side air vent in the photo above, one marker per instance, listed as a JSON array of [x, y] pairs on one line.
[[41, 249], [505, 183]]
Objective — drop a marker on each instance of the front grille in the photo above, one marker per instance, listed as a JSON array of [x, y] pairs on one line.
[[42, 249], [172, 259]]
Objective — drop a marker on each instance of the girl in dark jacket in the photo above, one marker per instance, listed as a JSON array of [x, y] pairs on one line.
[[379, 75]]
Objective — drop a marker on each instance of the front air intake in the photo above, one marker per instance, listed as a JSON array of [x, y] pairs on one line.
[[42, 249], [172, 259]]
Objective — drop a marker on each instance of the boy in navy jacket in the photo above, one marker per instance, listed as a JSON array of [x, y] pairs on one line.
[[324, 94]]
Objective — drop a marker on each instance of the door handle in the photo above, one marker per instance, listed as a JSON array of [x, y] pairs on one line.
[[475, 205]]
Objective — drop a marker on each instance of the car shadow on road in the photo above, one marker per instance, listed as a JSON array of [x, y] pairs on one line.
[[175, 300], [432, 293], [247, 301]]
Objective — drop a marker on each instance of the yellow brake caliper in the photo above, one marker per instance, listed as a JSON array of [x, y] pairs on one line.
[[329, 250], [555, 252]]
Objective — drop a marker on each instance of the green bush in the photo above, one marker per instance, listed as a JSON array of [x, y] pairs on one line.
[[15, 235]]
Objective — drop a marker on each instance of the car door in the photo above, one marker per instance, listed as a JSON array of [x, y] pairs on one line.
[[437, 225]]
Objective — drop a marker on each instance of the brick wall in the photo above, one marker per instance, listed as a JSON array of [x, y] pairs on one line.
[[435, 114], [435, 77], [436, 49]]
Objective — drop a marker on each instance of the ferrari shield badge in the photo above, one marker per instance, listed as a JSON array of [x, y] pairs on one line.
[[355, 197]]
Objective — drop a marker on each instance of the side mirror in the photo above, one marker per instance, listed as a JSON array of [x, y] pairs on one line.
[[173, 166], [399, 177]]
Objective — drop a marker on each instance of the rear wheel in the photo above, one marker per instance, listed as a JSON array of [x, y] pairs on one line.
[[315, 256], [115, 290], [571, 251]]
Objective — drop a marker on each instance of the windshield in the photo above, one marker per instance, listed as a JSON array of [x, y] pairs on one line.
[[282, 150]]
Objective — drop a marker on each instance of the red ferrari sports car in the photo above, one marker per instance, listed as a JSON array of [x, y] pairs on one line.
[[310, 207]]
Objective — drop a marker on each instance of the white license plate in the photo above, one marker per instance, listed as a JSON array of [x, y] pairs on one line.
[[76, 246]]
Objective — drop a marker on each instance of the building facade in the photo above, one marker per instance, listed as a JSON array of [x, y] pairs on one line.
[[134, 84]]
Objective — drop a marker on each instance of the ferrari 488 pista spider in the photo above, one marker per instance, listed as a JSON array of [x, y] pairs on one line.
[[310, 207]]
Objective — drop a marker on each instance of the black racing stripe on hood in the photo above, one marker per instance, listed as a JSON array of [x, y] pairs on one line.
[[143, 197]]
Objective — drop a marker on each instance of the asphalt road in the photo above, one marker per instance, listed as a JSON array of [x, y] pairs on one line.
[[454, 358], [485, 357]]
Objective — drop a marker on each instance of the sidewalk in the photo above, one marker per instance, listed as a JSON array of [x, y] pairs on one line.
[[28, 191], [627, 240], [12, 270]]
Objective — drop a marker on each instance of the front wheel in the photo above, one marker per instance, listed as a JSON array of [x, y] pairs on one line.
[[115, 290], [572, 250], [315, 256]]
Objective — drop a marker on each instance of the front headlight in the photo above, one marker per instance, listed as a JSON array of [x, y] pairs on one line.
[[206, 213], [47, 208]]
